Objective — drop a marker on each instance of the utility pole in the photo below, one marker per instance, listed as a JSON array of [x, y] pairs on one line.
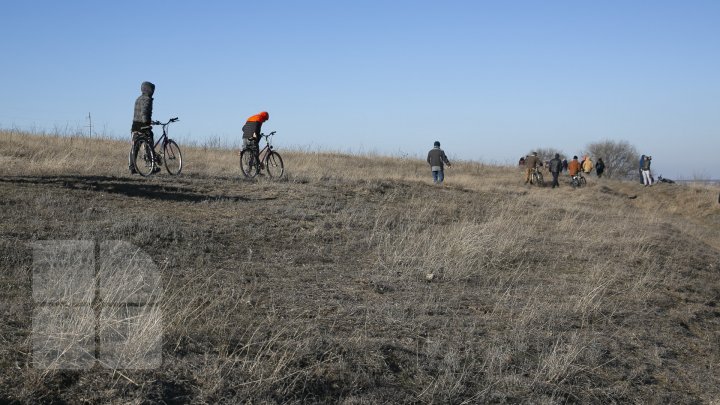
[[90, 124]]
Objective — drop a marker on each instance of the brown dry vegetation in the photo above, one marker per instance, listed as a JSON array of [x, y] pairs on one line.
[[315, 288]]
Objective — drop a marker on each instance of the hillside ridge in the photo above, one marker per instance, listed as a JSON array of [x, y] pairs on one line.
[[356, 280]]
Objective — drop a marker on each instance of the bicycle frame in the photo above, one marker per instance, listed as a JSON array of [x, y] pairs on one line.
[[164, 137], [156, 156], [262, 153]]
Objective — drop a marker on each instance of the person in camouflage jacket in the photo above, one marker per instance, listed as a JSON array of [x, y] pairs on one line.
[[142, 117]]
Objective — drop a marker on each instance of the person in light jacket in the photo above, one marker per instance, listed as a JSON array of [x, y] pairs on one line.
[[531, 162]]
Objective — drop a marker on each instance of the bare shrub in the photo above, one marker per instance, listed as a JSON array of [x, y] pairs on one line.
[[620, 157], [546, 154]]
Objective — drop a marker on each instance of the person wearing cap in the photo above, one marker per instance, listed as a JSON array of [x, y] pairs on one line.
[[531, 162], [437, 160], [647, 179], [573, 166], [555, 167]]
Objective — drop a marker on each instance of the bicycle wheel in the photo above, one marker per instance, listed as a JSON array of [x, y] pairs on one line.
[[143, 158], [173, 157], [540, 181], [274, 165], [583, 181], [249, 163], [536, 179]]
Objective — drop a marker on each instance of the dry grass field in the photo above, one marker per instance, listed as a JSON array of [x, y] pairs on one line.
[[356, 280]]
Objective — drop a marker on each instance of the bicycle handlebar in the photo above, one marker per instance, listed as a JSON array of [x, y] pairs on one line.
[[176, 119]]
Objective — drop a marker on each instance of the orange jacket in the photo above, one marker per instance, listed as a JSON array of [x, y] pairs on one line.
[[262, 117], [573, 167], [253, 126]]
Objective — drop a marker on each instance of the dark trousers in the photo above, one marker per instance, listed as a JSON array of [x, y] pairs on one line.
[[147, 134], [555, 182]]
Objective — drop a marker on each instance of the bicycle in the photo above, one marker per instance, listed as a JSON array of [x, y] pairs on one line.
[[577, 180], [146, 158], [536, 178], [253, 159]]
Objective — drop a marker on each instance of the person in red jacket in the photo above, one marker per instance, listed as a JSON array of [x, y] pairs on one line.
[[251, 129]]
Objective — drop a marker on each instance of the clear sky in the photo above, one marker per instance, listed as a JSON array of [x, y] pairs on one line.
[[491, 80]]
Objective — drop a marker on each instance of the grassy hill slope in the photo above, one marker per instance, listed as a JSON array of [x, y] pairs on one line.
[[356, 280]]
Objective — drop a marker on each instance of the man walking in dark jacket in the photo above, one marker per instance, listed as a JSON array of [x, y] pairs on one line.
[[600, 167], [556, 167], [142, 118], [437, 159]]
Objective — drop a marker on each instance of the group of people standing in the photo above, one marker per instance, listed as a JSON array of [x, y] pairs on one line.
[[437, 159], [557, 166]]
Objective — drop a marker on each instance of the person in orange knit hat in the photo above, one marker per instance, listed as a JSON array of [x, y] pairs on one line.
[[251, 129]]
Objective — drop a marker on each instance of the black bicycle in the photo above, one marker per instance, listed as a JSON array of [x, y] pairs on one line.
[[577, 180], [253, 159], [148, 158]]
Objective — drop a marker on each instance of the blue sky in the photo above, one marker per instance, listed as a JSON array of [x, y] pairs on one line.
[[491, 80]]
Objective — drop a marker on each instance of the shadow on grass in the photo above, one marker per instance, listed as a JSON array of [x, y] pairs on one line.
[[130, 187]]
